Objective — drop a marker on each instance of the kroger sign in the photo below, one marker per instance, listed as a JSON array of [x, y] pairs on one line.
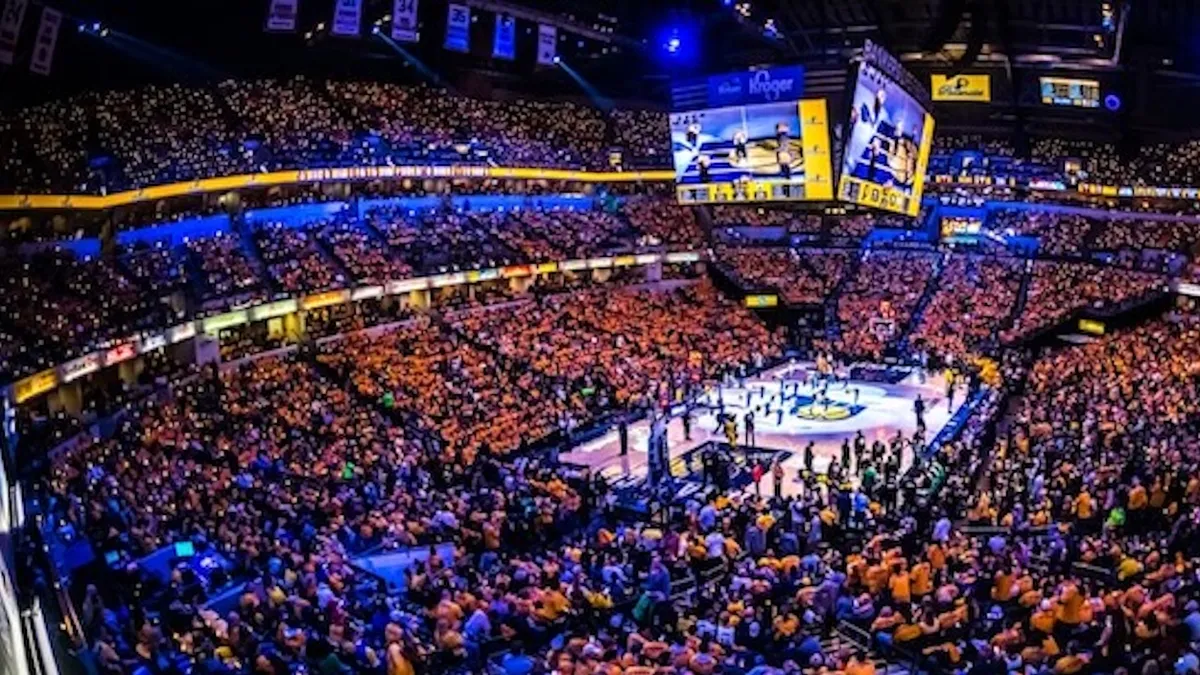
[[759, 86]]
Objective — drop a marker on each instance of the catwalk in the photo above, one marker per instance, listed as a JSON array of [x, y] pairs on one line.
[[877, 409]]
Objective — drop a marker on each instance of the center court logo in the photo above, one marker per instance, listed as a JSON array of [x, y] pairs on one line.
[[762, 85]]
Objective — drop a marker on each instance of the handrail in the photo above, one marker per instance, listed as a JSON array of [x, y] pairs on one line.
[[359, 173]]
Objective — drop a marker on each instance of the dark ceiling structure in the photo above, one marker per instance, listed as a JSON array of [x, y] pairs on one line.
[[1140, 48]]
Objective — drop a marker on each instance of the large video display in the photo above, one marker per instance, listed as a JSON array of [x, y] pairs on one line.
[[888, 139], [763, 152]]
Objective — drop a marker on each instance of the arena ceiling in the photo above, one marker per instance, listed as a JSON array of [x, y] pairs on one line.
[[619, 44]]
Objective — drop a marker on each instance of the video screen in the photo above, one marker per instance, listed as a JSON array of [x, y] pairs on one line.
[[1070, 92], [764, 152], [888, 139]]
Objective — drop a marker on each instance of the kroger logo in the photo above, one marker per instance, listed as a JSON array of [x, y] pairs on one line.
[[762, 85]]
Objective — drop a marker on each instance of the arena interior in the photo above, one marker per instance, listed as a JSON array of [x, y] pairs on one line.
[[520, 337]]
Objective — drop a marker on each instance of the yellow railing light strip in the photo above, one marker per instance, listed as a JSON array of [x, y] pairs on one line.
[[224, 183]]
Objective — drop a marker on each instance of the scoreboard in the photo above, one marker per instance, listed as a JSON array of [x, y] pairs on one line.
[[1071, 92]]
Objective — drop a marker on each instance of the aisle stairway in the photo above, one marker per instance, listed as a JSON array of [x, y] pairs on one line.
[[931, 288], [1019, 305], [833, 327]]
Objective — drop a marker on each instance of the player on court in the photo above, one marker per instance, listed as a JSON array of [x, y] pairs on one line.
[[740, 155], [785, 161]]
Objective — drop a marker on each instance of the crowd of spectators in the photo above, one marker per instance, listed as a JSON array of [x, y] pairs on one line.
[[802, 276], [196, 468], [631, 347], [664, 221], [1059, 289], [975, 297], [284, 474], [158, 134], [876, 305], [78, 303], [1059, 234]]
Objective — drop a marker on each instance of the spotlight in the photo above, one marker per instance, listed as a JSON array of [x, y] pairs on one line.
[[96, 27], [557, 59], [375, 30], [673, 45], [103, 32], [82, 27]]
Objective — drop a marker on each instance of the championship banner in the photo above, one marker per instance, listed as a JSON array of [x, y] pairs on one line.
[[404, 21], [458, 28], [282, 16], [505, 44], [974, 88], [347, 18], [47, 39], [10, 29], [547, 44]]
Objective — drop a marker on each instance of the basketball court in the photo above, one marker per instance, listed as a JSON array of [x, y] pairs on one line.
[[880, 409]]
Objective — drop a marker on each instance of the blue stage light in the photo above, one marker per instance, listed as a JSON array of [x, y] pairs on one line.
[[1112, 102], [673, 45]]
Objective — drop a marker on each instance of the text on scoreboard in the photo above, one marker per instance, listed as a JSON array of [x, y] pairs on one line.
[[1070, 92]]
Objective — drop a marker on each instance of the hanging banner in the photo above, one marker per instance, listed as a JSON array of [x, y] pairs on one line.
[[505, 44], [10, 29], [547, 44], [404, 21], [458, 28], [282, 16], [347, 18], [47, 39]]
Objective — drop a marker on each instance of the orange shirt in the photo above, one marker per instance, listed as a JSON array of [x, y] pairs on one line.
[[1137, 498], [1070, 607], [901, 587], [1084, 508], [921, 583], [937, 557], [1002, 589]]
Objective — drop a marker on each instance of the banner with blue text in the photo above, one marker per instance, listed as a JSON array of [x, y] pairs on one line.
[[282, 16], [505, 44], [47, 39], [547, 44], [458, 28], [347, 18], [404, 21], [10, 29]]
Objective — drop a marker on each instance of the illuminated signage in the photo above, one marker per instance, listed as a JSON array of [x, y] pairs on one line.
[[366, 292], [35, 385], [1072, 92], [77, 368], [761, 301], [228, 320], [407, 285], [274, 309], [183, 331], [120, 353], [972, 88], [325, 299]]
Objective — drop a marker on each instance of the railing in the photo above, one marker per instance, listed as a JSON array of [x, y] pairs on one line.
[[350, 174]]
